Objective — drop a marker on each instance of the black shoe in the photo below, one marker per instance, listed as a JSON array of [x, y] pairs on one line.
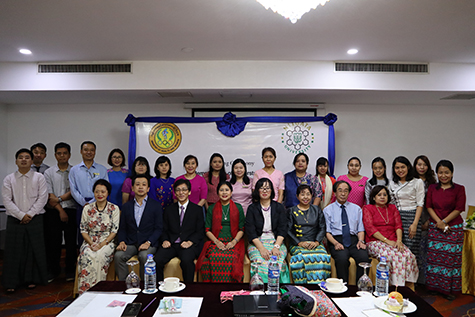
[[70, 277], [450, 297], [51, 277], [433, 292]]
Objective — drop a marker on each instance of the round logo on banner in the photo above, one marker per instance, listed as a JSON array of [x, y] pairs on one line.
[[297, 137], [165, 138]]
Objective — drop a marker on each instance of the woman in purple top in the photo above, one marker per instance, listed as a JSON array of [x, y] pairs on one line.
[[161, 186], [357, 182], [242, 188], [139, 167], [445, 201], [214, 176], [199, 189]]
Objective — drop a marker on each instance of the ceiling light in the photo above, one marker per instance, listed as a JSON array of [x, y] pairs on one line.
[[187, 49], [292, 9], [352, 51], [25, 51]]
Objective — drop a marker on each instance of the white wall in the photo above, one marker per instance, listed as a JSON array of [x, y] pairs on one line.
[[3, 142], [364, 131]]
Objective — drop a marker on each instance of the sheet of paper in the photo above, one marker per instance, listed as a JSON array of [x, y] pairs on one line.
[[95, 304], [190, 307], [354, 306], [376, 312]]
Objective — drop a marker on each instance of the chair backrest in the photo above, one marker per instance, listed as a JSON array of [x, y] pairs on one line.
[[470, 211]]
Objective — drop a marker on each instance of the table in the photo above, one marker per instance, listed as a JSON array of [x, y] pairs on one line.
[[468, 262], [212, 305]]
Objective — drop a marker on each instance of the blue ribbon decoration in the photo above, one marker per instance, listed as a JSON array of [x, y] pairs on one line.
[[231, 126]]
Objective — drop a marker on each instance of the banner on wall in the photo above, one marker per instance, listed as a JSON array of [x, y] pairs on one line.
[[233, 138]]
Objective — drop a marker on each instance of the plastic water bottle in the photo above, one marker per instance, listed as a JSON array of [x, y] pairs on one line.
[[382, 277], [150, 275], [273, 276]]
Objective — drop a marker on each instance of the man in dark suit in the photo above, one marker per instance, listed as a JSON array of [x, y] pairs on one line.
[[183, 232], [140, 228]]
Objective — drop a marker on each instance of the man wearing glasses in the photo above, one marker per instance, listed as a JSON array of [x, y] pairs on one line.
[[345, 231], [183, 232]]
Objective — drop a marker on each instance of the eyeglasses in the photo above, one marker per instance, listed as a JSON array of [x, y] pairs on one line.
[[342, 191], [179, 190], [117, 157], [264, 189]]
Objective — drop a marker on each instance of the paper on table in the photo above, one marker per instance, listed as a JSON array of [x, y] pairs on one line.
[[190, 307], [376, 312], [95, 304], [354, 306]]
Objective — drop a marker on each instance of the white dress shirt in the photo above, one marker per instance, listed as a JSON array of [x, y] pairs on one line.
[[24, 194]]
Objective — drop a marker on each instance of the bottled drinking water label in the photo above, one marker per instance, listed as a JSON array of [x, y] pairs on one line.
[[382, 278], [150, 275], [273, 276]]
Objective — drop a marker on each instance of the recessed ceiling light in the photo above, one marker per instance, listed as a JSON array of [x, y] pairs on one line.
[[187, 49], [352, 51], [25, 51]]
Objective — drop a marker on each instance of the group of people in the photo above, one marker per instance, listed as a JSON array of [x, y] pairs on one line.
[[411, 219]]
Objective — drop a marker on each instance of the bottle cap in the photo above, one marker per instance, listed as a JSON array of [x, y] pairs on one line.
[[149, 256], [273, 258], [382, 259]]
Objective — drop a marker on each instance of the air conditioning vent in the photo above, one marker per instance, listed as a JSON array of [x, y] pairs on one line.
[[382, 67], [84, 68]]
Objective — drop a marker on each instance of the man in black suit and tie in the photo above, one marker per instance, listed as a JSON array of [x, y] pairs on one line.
[[140, 228], [183, 231]]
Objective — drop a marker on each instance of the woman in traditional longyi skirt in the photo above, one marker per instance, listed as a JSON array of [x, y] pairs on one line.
[[222, 257], [445, 201], [266, 228], [310, 262]]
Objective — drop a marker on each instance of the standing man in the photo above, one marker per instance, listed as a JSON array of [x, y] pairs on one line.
[[140, 227], [183, 232], [60, 215], [24, 195], [82, 177], [345, 232], [39, 154]]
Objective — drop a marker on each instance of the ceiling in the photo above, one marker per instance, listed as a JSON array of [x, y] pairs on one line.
[[183, 30]]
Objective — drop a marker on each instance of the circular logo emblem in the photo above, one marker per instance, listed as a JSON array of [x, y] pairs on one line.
[[165, 138], [297, 137]]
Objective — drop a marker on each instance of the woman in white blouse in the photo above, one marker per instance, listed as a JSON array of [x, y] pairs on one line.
[[407, 194]]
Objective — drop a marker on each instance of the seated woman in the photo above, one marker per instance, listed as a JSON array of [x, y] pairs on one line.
[[310, 262], [99, 226], [300, 176], [222, 257], [383, 227], [266, 228]]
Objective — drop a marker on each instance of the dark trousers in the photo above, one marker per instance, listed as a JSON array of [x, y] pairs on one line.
[[53, 232], [342, 258], [186, 256]]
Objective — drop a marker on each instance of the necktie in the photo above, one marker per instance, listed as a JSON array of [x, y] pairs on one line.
[[182, 214], [345, 227], [38, 168]]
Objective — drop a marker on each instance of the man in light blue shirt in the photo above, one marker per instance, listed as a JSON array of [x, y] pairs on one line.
[[345, 232], [83, 176]]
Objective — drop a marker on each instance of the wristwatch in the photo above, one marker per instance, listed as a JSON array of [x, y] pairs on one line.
[[60, 199], [277, 246]]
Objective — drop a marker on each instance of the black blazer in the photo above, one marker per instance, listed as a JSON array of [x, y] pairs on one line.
[[192, 229], [150, 228], [255, 220]]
